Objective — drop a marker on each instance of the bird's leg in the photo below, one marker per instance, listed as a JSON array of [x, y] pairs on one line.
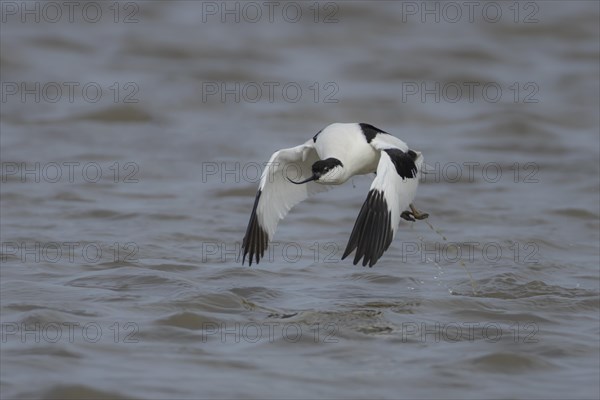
[[417, 214], [413, 214]]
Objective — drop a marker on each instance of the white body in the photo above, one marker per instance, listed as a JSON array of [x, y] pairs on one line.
[[347, 143]]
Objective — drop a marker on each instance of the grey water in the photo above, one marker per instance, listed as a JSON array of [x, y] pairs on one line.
[[132, 137]]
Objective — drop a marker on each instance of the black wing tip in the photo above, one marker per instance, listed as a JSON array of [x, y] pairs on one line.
[[372, 232], [256, 239]]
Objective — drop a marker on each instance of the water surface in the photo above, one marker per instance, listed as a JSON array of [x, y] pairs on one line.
[[127, 284]]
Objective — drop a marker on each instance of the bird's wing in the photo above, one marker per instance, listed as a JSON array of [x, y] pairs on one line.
[[391, 192], [277, 195], [388, 141]]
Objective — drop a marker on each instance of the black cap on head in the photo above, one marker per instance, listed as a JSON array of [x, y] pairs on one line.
[[323, 166], [319, 168]]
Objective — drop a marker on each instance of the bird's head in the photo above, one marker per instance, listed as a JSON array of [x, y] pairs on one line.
[[325, 171]]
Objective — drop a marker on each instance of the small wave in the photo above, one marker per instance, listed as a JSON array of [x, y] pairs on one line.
[[118, 114], [576, 213], [128, 278], [188, 320], [104, 214], [67, 392], [256, 292], [382, 278], [507, 286], [511, 363]]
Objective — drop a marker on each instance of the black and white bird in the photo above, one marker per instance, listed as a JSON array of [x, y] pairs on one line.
[[334, 155]]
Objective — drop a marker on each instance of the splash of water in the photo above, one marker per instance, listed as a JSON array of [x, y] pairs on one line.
[[462, 263]]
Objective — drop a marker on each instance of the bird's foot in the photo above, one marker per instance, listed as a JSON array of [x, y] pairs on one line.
[[416, 214], [421, 216]]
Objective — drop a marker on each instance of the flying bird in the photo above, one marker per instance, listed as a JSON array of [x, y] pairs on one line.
[[335, 154]]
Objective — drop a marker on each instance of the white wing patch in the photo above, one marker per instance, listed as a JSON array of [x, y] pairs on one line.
[[277, 195], [381, 142]]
